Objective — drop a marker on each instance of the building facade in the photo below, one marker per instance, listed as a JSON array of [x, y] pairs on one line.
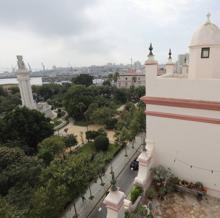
[[131, 78], [183, 113]]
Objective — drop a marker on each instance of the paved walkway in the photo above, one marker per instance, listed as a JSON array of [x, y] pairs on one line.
[[119, 163]]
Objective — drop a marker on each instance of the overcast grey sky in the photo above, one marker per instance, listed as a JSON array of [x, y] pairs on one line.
[[85, 32]]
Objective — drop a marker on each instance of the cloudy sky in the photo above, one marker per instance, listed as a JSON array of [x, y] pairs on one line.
[[85, 32]]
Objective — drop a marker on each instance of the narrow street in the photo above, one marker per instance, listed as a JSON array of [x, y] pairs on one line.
[[124, 182], [125, 177]]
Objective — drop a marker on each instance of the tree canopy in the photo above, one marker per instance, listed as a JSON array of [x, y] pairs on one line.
[[101, 143], [50, 147], [83, 79], [25, 127], [77, 100]]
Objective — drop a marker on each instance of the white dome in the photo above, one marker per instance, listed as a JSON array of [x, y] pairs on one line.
[[207, 34]]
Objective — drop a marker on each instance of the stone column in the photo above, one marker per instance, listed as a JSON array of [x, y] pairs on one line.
[[170, 66], [151, 65], [24, 84], [114, 201], [185, 67], [145, 159]]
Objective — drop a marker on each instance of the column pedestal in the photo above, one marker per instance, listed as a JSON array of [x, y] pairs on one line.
[[143, 178], [114, 203]]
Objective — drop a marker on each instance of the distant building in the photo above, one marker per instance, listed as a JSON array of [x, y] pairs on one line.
[[98, 82], [131, 78], [182, 59]]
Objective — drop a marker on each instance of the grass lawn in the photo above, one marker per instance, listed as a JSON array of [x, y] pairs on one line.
[[108, 155]]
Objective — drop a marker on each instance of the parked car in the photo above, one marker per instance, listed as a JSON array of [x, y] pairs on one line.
[[134, 165]]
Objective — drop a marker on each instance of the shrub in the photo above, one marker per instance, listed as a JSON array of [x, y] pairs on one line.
[[135, 193], [91, 135], [70, 140], [110, 123], [161, 174], [151, 193], [101, 143], [102, 131], [199, 186]]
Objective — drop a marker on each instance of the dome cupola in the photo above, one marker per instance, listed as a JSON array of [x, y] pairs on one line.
[[205, 52], [207, 34]]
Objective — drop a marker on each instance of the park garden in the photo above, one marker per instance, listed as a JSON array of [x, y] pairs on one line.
[[42, 173]]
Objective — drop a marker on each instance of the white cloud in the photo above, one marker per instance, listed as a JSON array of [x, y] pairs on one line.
[[95, 32]]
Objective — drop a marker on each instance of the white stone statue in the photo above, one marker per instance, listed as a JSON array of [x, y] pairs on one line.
[[20, 62], [24, 84]]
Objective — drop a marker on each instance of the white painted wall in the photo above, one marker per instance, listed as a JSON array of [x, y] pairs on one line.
[[115, 214], [192, 142], [202, 68], [195, 143], [200, 89]]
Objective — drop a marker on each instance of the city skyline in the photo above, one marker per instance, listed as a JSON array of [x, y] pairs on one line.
[[73, 33]]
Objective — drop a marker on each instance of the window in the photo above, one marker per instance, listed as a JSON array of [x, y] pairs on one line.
[[205, 52]]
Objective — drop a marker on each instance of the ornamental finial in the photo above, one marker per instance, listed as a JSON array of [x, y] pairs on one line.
[[208, 18], [151, 50], [113, 181], [170, 54]]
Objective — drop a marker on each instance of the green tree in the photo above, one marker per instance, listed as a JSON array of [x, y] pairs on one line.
[[101, 115], [83, 79], [111, 123], [107, 82], [2, 91], [9, 211], [18, 175], [9, 102], [28, 127], [101, 143], [51, 147], [121, 95], [63, 181], [91, 109], [70, 141], [91, 135], [115, 76], [136, 93], [77, 100], [134, 128], [14, 90], [47, 91]]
